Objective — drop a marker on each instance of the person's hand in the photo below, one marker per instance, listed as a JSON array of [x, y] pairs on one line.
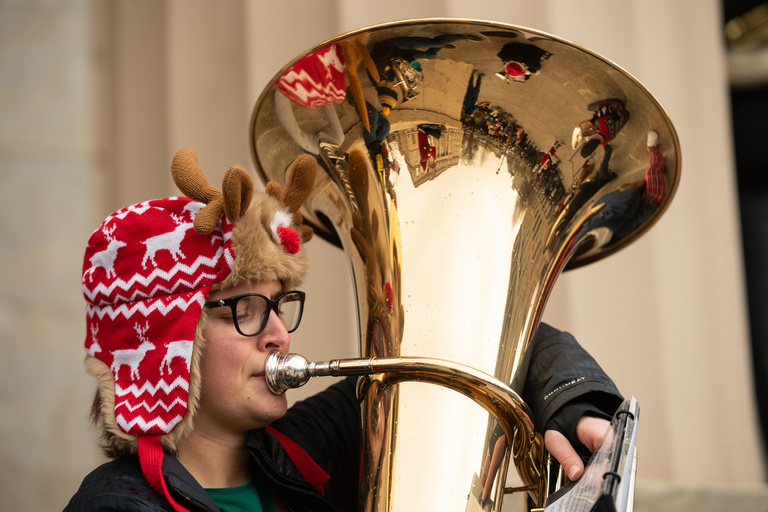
[[590, 429]]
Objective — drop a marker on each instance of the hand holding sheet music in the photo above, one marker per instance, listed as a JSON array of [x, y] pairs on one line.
[[609, 478]]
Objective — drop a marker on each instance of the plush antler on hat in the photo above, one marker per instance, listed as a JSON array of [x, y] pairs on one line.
[[233, 200]]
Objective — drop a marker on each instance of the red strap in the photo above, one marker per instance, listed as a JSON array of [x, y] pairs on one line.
[[309, 469], [151, 460]]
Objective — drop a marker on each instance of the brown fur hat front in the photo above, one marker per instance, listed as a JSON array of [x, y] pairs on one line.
[[268, 228], [258, 255]]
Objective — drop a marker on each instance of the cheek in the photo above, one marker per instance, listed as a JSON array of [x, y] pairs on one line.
[[221, 363]]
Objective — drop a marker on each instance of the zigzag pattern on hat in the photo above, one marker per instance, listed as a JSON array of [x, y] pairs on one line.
[[145, 307], [152, 407], [135, 409], [154, 427], [146, 387], [118, 261], [168, 282]]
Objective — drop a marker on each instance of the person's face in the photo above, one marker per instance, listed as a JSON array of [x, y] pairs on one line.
[[234, 393]]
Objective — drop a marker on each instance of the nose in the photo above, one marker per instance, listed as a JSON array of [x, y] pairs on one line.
[[274, 335]]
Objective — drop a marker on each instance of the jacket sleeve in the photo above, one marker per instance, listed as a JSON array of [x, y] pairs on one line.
[[564, 382]]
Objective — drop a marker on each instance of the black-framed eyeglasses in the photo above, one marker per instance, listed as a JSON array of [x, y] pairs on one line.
[[250, 312]]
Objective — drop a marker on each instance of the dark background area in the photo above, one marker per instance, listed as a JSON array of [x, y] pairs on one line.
[[750, 130]]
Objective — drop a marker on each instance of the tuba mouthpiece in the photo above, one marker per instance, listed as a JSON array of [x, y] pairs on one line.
[[285, 371]]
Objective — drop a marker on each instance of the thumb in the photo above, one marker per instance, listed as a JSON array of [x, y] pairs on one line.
[[561, 449]]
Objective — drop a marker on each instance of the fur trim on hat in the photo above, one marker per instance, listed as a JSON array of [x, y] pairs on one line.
[[258, 256]]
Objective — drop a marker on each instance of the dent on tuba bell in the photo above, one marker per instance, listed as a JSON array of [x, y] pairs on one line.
[[466, 164]]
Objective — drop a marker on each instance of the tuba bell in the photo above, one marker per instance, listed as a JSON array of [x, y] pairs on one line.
[[465, 165]]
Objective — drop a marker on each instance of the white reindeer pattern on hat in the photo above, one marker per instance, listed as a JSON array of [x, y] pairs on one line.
[[170, 241], [106, 258], [178, 348], [132, 357], [94, 348]]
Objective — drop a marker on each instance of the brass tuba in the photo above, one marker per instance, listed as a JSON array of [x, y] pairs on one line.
[[466, 165]]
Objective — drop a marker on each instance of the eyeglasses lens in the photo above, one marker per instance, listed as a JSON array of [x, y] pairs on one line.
[[289, 309], [253, 313], [250, 314]]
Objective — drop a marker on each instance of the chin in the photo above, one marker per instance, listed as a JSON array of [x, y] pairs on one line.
[[273, 408]]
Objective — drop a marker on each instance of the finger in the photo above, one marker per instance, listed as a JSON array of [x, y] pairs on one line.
[[561, 449], [592, 430]]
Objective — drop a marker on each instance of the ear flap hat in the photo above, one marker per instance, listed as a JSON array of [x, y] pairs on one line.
[[147, 272]]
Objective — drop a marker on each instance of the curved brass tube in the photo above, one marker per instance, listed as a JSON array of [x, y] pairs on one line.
[[287, 371]]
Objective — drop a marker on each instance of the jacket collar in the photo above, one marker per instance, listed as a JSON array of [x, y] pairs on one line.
[[282, 463], [184, 486]]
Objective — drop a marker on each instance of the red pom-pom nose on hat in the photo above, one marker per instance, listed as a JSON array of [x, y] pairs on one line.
[[289, 239]]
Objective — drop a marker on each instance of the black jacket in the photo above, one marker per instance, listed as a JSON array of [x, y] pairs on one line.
[[311, 457]]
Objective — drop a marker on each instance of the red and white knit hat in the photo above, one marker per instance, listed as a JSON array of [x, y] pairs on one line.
[[146, 275], [147, 272]]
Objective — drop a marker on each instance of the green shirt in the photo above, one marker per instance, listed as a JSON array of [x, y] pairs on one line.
[[250, 497]]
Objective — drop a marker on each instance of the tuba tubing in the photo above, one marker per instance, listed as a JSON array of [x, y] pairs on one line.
[[285, 371]]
